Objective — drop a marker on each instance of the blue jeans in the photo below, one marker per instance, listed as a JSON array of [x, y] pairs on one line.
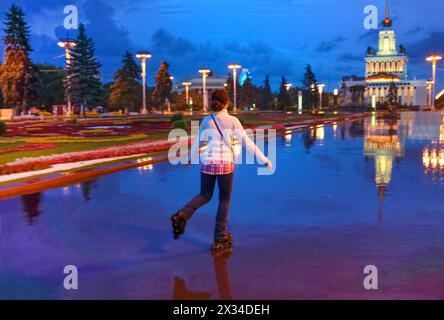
[[207, 184]]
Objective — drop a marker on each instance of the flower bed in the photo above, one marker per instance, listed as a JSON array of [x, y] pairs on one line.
[[7, 169], [82, 129], [30, 164], [69, 139], [29, 147]]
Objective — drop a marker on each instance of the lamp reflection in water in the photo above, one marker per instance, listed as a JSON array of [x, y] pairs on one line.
[[433, 162], [66, 191], [288, 136], [147, 167], [320, 134], [382, 142]]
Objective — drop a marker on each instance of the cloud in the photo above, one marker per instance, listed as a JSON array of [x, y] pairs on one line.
[[329, 45], [186, 56], [348, 57], [414, 31], [110, 39], [164, 42], [434, 42], [370, 36]]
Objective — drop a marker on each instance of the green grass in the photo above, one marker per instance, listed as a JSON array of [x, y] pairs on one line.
[[71, 147], [4, 146]]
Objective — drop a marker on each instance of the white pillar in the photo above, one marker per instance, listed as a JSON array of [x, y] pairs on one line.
[[414, 96]]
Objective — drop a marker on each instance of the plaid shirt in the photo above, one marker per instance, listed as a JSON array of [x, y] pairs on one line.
[[216, 168], [218, 158]]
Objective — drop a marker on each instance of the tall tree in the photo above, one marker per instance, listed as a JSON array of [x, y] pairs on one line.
[[164, 85], [125, 91], [247, 96], [229, 84], [16, 29], [82, 81], [19, 77], [283, 96], [310, 88], [357, 94], [343, 94], [52, 83], [267, 95], [1, 93], [392, 95]]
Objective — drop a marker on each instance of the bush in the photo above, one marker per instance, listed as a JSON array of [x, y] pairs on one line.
[[177, 117], [45, 113], [180, 124], [71, 121], [92, 114], [2, 127]]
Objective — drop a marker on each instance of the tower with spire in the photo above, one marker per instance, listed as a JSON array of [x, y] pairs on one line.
[[387, 38], [387, 23], [388, 65]]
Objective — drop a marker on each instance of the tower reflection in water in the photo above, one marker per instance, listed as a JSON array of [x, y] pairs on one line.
[[384, 143], [181, 292]]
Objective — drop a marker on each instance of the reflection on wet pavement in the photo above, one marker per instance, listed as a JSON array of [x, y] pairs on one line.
[[345, 195], [223, 282]]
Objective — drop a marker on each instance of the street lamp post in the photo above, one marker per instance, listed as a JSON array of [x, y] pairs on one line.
[[168, 99], [300, 107], [67, 44], [288, 87], [234, 67], [187, 91], [433, 58], [321, 90], [143, 56], [335, 95], [429, 93], [204, 72]]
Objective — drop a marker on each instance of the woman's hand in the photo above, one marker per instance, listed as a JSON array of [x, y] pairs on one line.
[[270, 165]]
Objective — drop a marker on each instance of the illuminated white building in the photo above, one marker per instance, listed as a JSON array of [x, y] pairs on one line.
[[212, 83], [388, 65]]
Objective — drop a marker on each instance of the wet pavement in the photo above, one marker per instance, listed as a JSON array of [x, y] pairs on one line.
[[368, 192]]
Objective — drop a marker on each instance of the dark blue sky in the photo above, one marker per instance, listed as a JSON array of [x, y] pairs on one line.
[[268, 36]]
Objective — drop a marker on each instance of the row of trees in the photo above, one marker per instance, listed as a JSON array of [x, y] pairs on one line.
[[25, 84], [355, 95], [264, 98], [126, 90]]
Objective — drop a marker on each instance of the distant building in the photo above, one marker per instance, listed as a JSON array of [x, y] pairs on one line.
[[440, 100], [213, 82], [386, 66]]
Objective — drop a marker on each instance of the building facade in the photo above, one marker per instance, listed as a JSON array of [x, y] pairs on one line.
[[212, 83], [389, 65]]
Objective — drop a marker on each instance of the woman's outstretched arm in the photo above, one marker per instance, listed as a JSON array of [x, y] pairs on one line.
[[242, 136]]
